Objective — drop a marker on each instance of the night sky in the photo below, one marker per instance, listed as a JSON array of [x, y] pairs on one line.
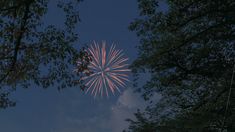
[[70, 110]]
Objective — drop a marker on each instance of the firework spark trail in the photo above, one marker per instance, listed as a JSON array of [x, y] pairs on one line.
[[108, 68]]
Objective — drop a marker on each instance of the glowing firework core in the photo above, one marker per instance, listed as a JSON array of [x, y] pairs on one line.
[[108, 71]]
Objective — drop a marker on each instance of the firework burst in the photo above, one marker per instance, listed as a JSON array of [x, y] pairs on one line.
[[107, 70]]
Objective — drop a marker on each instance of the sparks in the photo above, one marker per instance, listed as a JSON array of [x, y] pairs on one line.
[[108, 70]]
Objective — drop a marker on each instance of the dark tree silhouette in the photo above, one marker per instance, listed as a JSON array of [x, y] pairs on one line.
[[189, 51], [33, 52]]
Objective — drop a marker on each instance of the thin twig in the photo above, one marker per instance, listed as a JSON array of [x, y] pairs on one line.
[[228, 99]]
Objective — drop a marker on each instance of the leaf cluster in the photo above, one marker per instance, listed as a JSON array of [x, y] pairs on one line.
[[189, 51]]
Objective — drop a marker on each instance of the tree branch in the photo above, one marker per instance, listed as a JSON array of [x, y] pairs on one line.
[[214, 100], [191, 39], [9, 8], [18, 41]]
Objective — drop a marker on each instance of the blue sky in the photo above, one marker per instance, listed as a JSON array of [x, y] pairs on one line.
[[70, 110]]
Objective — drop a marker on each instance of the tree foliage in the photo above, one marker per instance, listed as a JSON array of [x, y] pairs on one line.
[[189, 51], [32, 51]]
